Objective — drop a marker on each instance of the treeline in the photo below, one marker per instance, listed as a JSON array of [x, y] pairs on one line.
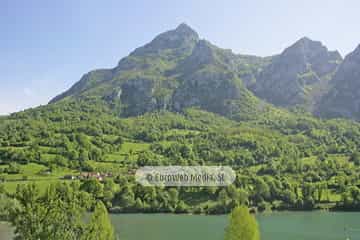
[[264, 192]]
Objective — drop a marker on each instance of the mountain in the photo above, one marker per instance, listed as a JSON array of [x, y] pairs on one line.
[[344, 98], [179, 70], [299, 75], [152, 59], [175, 71]]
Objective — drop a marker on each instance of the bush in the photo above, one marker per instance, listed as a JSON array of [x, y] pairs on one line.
[[13, 168]]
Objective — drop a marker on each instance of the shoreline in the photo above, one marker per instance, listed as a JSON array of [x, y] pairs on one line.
[[221, 214]]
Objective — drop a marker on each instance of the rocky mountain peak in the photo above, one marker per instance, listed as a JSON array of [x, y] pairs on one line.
[[349, 69], [299, 74], [182, 38], [184, 29], [307, 42], [343, 99], [308, 50], [354, 56]]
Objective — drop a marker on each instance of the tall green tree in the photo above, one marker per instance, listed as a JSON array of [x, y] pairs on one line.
[[100, 227], [242, 225]]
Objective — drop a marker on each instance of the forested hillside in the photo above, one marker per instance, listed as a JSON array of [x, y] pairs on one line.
[[282, 161]]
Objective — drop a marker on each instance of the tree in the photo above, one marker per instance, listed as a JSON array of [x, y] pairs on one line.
[[125, 198], [173, 197], [7, 205], [109, 191], [139, 204], [100, 227], [242, 225], [58, 214], [84, 155], [289, 196], [94, 187], [83, 141], [355, 158], [223, 199], [262, 190], [13, 168], [119, 141], [60, 161], [96, 154]]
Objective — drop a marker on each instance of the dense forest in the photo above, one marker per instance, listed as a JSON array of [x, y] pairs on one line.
[[283, 159]]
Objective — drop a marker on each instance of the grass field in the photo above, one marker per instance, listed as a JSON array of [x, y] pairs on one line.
[[40, 174], [42, 184], [33, 173], [128, 152]]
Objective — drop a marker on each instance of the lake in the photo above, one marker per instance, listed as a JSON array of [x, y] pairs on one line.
[[274, 226], [5, 231]]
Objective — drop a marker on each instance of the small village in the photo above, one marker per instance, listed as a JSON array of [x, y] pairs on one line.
[[89, 175]]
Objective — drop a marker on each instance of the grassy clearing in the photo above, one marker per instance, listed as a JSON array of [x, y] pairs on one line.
[[180, 132], [10, 187], [134, 147], [114, 168], [34, 171], [309, 160], [128, 152]]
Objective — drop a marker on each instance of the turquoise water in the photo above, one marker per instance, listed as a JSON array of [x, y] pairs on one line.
[[310, 226], [5, 231], [274, 226]]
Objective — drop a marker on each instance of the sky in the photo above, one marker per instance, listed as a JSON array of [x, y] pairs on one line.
[[46, 46]]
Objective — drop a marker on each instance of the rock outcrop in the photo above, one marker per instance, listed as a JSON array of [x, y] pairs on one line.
[[299, 75], [344, 98]]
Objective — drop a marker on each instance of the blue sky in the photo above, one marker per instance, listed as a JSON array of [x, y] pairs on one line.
[[46, 46]]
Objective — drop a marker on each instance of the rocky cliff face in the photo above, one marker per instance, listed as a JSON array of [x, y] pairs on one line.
[[344, 98], [210, 78], [299, 75]]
